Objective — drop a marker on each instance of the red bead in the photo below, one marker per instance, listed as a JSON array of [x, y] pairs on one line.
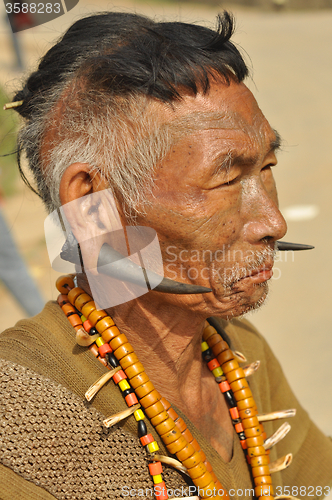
[[208, 466], [148, 438], [238, 428], [214, 363], [131, 399], [195, 445], [234, 413], [180, 424], [155, 468], [224, 386], [172, 413], [87, 325], [68, 308], [104, 349], [244, 444], [74, 320], [160, 491], [188, 436], [120, 375], [166, 404]]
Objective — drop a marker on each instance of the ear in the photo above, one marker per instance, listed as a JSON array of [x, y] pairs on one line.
[[90, 209], [77, 181]]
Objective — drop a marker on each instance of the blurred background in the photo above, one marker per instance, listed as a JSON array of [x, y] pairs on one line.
[[289, 47]]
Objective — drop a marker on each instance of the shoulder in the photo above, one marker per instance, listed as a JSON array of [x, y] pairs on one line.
[[46, 344], [49, 319], [51, 438], [47, 329]]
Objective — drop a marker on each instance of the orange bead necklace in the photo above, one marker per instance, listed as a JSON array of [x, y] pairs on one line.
[[96, 330]]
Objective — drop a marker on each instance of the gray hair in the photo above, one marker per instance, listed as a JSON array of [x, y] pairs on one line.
[[115, 136]]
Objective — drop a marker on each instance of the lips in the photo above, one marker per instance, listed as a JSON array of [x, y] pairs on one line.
[[261, 274]]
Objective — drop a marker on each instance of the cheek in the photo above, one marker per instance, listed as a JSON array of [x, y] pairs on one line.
[[225, 208], [198, 219]]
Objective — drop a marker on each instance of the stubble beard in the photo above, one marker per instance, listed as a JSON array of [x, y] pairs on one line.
[[233, 275]]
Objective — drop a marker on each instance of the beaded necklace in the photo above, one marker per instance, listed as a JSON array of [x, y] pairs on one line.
[[96, 330]]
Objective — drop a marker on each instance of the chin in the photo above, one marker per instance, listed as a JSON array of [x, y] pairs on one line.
[[258, 303], [241, 302]]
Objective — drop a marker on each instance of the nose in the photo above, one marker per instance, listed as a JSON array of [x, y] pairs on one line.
[[264, 219]]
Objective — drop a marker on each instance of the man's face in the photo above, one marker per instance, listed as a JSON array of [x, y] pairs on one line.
[[215, 205]]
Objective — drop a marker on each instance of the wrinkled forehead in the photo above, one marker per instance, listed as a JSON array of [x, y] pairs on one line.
[[225, 107]]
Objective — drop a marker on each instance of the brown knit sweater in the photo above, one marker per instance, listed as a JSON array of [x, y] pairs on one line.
[[53, 444]]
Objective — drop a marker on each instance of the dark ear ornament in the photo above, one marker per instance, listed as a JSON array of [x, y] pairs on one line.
[[124, 269], [112, 263]]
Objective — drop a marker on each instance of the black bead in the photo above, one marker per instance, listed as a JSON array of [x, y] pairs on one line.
[[142, 429], [230, 399], [126, 392], [242, 436], [236, 421], [93, 331], [208, 355], [111, 359]]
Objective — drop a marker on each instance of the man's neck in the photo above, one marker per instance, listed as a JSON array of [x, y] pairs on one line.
[[167, 341]]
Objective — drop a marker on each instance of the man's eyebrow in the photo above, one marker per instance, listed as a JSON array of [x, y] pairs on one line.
[[276, 143], [225, 161]]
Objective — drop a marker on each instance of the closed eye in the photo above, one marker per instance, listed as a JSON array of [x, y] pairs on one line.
[[232, 181]]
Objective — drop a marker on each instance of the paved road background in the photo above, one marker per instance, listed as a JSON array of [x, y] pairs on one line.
[[291, 55]]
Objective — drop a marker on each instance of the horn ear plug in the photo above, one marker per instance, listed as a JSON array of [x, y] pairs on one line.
[[126, 270], [285, 245]]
